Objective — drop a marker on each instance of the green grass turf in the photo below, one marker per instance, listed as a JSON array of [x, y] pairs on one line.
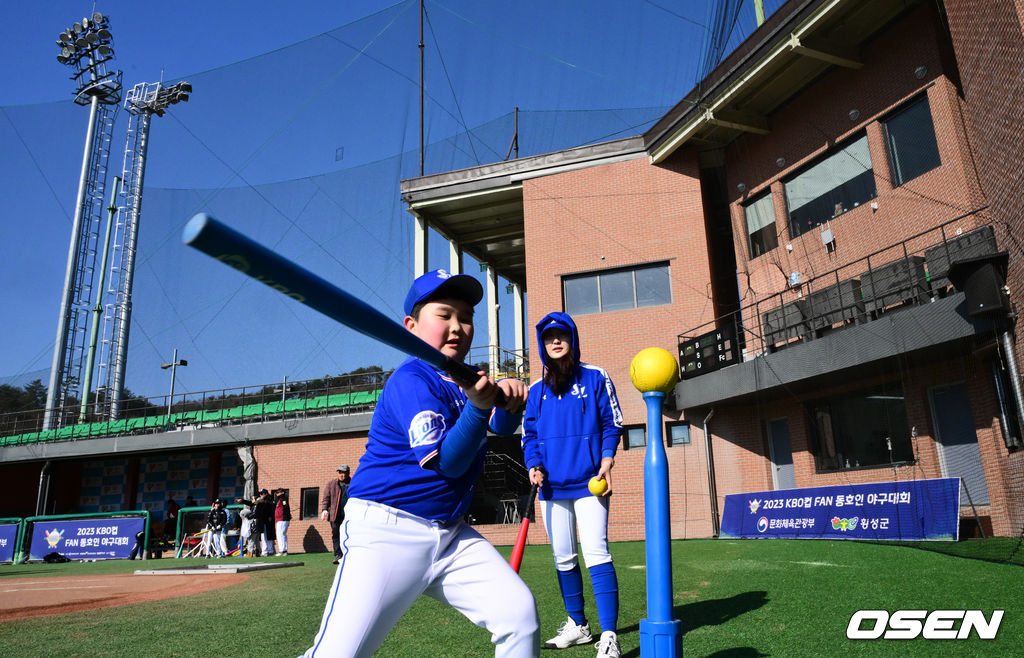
[[735, 598]]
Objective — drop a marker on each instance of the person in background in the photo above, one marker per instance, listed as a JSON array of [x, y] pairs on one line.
[[282, 517], [264, 528], [171, 522], [332, 506], [247, 538], [571, 430], [216, 519]]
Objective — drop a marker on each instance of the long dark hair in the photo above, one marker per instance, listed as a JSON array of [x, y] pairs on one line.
[[560, 374]]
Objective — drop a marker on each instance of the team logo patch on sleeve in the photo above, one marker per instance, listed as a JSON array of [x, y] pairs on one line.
[[426, 428]]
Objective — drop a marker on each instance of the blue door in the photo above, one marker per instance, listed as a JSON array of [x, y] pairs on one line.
[[959, 454], [781, 455]]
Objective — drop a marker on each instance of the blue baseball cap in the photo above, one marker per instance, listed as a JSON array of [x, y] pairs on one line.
[[439, 283], [553, 323]]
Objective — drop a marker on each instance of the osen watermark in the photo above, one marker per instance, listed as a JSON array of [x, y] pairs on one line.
[[934, 625]]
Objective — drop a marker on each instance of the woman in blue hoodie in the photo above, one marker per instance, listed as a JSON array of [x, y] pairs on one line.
[[571, 430]]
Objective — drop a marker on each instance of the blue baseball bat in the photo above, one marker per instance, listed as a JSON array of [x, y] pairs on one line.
[[292, 280]]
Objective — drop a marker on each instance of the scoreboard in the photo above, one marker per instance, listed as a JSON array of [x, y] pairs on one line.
[[708, 352]]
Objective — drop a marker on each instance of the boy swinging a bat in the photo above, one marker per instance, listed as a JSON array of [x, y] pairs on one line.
[[404, 533]]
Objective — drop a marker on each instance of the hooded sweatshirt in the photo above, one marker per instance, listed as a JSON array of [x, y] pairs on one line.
[[568, 435]]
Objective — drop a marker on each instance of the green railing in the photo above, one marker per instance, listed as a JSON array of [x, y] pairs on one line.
[[265, 408]]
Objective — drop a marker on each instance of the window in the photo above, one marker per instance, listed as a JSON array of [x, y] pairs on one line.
[[910, 139], [761, 234], [310, 508], [865, 428], [635, 436], [617, 290], [840, 181], [678, 434]]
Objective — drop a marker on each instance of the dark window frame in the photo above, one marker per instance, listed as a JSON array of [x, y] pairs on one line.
[[635, 303], [917, 139], [625, 436], [758, 244], [849, 431], [852, 193], [669, 441], [302, 503]]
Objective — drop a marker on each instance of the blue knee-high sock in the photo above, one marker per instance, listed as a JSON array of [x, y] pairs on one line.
[[571, 584], [606, 595]]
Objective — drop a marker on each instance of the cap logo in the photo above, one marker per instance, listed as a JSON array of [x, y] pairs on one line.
[[443, 274]]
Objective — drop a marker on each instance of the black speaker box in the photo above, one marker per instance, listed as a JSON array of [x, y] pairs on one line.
[[982, 279]]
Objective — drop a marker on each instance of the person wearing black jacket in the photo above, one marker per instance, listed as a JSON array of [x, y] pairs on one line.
[[216, 519], [263, 522]]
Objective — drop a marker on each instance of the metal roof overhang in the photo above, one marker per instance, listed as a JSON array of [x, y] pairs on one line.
[[481, 208], [797, 45]]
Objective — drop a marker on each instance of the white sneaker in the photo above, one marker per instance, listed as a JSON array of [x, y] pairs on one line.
[[570, 634], [608, 647]]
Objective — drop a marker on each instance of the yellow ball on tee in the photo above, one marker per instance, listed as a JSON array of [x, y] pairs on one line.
[[597, 487], [654, 369]]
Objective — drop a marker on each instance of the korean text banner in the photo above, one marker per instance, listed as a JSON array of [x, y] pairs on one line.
[[913, 510], [86, 539], [8, 533]]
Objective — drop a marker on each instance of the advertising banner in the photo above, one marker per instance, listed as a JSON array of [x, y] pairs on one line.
[[913, 510], [86, 539], [8, 533]]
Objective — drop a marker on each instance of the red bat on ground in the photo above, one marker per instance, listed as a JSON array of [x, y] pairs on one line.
[[524, 527]]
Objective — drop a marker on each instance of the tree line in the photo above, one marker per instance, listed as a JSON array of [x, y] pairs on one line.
[[32, 396]]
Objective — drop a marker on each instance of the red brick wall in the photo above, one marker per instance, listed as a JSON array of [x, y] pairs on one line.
[[741, 450], [988, 40], [815, 121], [618, 215], [299, 463], [304, 462], [611, 216]]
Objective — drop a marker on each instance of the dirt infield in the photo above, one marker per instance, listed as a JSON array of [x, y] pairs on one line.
[[35, 597]]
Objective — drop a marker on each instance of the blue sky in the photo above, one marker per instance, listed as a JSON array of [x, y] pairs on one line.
[[300, 126]]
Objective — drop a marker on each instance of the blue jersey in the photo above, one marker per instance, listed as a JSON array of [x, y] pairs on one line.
[[569, 434], [417, 408]]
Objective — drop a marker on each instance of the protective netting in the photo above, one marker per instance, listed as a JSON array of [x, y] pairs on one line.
[[303, 149]]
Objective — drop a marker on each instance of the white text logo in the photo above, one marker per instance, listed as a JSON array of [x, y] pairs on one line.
[[934, 625]]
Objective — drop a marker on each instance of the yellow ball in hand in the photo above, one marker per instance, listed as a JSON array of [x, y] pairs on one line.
[[597, 487], [654, 369]]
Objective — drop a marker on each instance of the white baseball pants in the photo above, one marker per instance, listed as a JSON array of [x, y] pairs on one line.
[[561, 518], [281, 530], [213, 543], [391, 557]]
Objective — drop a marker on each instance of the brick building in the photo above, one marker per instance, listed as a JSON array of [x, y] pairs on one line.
[[807, 199], [815, 199]]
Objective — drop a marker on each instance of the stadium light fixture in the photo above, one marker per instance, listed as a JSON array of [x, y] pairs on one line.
[[87, 46]]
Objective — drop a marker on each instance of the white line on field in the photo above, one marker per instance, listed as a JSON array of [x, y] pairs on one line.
[[43, 589]]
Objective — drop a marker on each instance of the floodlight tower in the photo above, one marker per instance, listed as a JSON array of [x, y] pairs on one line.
[[142, 102], [86, 48]]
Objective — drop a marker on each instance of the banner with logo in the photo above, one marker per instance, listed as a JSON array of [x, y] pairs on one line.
[[8, 534], [912, 510], [86, 539]]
